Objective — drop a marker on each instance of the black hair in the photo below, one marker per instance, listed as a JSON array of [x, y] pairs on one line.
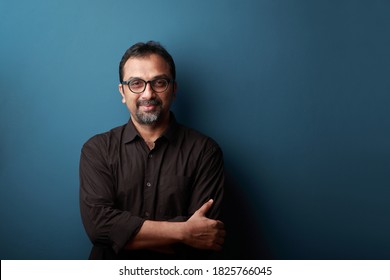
[[144, 49]]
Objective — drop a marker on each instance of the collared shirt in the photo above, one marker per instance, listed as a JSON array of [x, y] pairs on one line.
[[123, 183]]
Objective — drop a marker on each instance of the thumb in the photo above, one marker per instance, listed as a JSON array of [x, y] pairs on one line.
[[205, 208]]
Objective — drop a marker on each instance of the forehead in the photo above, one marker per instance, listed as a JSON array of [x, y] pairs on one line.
[[146, 67]]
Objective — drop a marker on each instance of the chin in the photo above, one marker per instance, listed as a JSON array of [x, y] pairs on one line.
[[148, 118]]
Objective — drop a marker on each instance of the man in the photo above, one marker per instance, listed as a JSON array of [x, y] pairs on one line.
[[151, 189]]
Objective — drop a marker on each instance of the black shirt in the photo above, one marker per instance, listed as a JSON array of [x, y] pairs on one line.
[[123, 183]]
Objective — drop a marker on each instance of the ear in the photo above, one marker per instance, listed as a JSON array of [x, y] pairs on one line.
[[120, 88]]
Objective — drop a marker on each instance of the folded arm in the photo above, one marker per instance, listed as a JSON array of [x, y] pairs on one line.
[[198, 232]]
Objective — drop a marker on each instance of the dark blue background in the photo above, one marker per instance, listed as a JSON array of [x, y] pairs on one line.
[[295, 92]]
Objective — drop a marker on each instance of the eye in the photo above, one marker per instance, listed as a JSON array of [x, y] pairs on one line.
[[160, 83], [136, 83]]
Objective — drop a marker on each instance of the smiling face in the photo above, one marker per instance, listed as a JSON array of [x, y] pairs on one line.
[[148, 107]]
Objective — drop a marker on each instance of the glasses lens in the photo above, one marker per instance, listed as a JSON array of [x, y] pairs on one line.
[[137, 85], [160, 85]]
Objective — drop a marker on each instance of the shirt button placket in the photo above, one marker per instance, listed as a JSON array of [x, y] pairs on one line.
[[148, 186]]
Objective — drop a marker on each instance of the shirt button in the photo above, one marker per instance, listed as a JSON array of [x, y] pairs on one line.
[[150, 156], [147, 214], [148, 184]]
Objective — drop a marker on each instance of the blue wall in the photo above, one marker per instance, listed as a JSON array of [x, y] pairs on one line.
[[295, 92]]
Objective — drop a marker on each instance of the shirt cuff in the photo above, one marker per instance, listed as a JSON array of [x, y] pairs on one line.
[[123, 231]]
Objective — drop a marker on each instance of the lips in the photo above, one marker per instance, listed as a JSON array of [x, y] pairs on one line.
[[148, 105], [149, 108]]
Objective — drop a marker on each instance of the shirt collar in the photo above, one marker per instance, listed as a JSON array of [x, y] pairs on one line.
[[172, 129], [130, 133]]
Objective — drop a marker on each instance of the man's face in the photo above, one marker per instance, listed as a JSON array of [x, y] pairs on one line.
[[148, 107]]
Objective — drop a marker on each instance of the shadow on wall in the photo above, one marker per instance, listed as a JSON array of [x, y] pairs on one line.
[[244, 238]]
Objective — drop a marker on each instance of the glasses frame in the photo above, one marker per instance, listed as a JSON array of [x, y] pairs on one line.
[[169, 81]]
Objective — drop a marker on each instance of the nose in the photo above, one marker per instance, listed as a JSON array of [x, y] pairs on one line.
[[148, 92]]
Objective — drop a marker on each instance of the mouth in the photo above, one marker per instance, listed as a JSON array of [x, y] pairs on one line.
[[148, 108], [148, 105]]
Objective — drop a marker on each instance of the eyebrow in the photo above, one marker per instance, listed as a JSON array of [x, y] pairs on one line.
[[153, 78]]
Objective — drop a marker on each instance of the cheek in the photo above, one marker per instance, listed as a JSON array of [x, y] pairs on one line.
[[167, 101], [130, 102]]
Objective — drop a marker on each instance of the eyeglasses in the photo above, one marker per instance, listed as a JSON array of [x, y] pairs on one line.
[[137, 85]]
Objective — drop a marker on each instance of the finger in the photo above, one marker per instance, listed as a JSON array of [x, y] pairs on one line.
[[205, 207], [216, 247], [220, 225], [222, 233], [220, 241]]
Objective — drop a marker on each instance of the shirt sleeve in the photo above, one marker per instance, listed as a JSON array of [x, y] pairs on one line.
[[208, 184], [209, 181], [104, 223]]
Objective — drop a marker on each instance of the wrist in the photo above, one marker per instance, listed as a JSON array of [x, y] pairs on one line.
[[182, 229]]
